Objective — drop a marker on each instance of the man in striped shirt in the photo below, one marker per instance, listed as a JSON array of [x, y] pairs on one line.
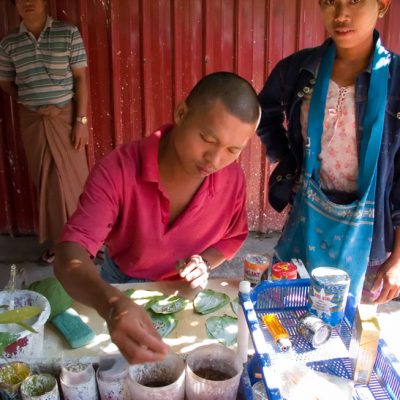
[[43, 66]]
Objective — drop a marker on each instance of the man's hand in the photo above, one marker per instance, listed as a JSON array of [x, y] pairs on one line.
[[79, 136], [132, 330], [195, 271], [389, 276]]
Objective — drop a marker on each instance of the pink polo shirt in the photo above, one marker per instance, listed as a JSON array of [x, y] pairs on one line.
[[124, 206]]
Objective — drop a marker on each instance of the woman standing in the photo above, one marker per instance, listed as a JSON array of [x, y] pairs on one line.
[[331, 119]]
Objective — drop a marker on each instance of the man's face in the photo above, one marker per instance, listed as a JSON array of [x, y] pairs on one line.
[[209, 138], [31, 9]]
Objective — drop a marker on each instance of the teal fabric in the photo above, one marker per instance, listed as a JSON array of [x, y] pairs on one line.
[[318, 231]]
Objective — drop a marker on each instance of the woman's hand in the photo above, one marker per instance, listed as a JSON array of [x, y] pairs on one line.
[[388, 276]]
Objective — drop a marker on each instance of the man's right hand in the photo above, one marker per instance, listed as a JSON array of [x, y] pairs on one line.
[[132, 331]]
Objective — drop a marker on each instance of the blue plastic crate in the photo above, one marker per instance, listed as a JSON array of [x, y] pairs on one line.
[[288, 299]]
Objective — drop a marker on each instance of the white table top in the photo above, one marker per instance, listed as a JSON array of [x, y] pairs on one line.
[[189, 333]]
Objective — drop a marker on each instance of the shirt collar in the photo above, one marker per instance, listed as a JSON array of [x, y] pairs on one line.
[[311, 63], [48, 24], [149, 154]]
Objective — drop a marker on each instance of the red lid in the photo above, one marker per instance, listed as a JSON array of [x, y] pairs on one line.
[[284, 270]]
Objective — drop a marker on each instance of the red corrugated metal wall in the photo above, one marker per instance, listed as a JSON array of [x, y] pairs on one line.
[[145, 55]]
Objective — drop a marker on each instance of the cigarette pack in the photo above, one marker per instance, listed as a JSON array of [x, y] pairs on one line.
[[364, 343]]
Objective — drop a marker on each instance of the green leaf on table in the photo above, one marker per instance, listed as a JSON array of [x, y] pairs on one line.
[[164, 323], [208, 301], [128, 292], [144, 298], [19, 314], [6, 338], [235, 305], [224, 329], [169, 305], [23, 325], [142, 294]]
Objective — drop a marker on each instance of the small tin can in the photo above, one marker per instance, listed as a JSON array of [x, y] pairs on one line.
[[254, 266], [283, 271], [314, 330], [328, 292]]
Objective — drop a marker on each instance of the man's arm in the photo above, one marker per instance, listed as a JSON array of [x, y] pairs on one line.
[[129, 325], [196, 269], [10, 88], [80, 131]]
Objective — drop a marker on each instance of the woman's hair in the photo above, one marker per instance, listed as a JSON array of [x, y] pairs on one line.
[[237, 95]]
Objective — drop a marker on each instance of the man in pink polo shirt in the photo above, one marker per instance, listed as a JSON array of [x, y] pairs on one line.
[[170, 206]]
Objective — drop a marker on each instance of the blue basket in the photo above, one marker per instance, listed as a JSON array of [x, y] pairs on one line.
[[288, 300]]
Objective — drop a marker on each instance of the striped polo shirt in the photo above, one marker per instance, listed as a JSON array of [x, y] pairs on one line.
[[42, 68]]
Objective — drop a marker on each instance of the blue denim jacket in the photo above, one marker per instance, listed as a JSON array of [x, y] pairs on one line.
[[280, 132]]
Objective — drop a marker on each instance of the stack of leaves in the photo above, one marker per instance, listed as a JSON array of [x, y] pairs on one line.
[[17, 316], [160, 307], [208, 301], [224, 328]]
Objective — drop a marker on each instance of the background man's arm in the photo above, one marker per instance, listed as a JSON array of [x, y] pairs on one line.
[[80, 131], [10, 88]]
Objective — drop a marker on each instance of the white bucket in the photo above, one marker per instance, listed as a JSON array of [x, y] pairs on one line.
[[28, 344], [222, 368], [162, 380]]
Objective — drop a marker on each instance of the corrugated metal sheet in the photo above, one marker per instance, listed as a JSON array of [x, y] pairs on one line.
[[145, 55]]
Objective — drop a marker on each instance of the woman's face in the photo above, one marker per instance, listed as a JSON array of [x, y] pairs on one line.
[[350, 23]]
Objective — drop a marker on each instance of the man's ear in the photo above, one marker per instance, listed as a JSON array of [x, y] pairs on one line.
[[180, 112]]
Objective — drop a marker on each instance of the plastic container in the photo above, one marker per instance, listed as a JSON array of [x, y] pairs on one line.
[[112, 378], [78, 382], [289, 300], [328, 294], [283, 270], [11, 377], [28, 344], [164, 380], [213, 373], [254, 266], [40, 387]]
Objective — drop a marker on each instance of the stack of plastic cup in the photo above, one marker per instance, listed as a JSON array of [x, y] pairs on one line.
[[78, 382]]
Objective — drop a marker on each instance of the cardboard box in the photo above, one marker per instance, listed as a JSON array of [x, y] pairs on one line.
[[364, 343]]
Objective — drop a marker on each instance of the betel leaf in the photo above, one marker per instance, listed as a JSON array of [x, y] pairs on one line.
[[169, 305], [224, 329], [128, 292], [27, 327], [6, 338], [144, 298], [235, 305], [208, 301], [19, 314], [142, 294], [164, 323]]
